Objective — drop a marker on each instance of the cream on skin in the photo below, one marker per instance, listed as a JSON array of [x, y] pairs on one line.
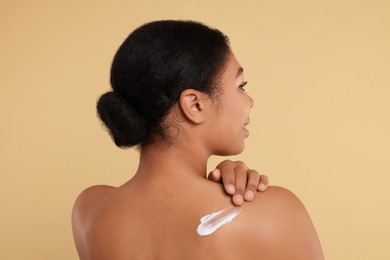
[[210, 223]]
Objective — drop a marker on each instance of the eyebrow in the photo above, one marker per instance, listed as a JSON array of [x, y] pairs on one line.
[[240, 71]]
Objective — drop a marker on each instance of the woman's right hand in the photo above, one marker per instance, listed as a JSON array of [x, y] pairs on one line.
[[239, 181]]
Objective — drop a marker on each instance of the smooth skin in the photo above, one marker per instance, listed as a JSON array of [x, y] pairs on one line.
[[155, 214]]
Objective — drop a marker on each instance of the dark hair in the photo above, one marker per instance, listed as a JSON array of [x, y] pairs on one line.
[[150, 70]]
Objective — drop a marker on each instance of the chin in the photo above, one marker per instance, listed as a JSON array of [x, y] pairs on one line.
[[229, 151]]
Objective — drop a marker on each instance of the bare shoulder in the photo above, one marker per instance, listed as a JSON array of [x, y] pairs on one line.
[[87, 208], [89, 199], [281, 206], [277, 226]]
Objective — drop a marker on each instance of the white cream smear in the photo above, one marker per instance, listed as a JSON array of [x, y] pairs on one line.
[[210, 223]]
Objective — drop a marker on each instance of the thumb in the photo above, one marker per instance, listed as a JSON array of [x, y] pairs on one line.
[[215, 175]]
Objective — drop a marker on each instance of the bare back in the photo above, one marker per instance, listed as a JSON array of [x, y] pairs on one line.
[[120, 223]]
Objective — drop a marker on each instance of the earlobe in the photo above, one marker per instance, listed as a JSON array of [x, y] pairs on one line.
[[192, 104]]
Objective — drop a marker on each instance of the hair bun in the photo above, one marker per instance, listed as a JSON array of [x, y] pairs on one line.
[[125, 125]]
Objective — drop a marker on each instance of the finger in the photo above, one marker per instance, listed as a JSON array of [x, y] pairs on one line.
[[228, 180], [264, 183], [240, 183], [252, 185], [215, 175], [225, 163]]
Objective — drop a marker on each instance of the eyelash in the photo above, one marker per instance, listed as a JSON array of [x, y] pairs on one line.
[[242, 85]]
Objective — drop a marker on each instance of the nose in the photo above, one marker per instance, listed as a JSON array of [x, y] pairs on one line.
[[251, 101]]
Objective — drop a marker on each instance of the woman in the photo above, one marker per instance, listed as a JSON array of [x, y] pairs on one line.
[[178, 94]]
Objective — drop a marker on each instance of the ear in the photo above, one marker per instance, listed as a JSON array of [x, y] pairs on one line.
[[192, 103]]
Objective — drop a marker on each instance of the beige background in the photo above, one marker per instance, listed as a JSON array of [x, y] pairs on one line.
[[318, 71]]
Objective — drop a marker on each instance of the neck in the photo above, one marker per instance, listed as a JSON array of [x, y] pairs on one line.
[[174, 161]]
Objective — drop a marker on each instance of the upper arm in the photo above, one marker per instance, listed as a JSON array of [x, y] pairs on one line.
[[281, 227]]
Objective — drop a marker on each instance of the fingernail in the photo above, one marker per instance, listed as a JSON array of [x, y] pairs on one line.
[[231, 189], [249, 195], [262, 186], [216, 173], [238, 199]]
